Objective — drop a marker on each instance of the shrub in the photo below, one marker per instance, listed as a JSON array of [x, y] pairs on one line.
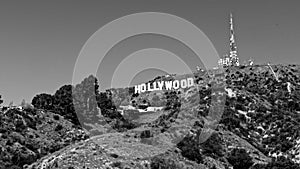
[[55, 117], [58, 127], [43, 101], [282, 162], [104, 102], [85, 99], [162, 163], [190, 149], [240, 159], [146, 134], [63, 103], [1, 101], [213, 146]]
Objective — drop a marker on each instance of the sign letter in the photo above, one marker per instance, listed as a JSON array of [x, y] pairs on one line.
[[143, 87], [190, 82], [168, 85], [137, 89], [176, 84], [183, 83]]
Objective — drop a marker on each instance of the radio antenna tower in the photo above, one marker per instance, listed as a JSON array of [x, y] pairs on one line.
[[233, 47], [275, 74]]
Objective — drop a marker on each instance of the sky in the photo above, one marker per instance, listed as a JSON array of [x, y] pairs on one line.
[[40, 41]]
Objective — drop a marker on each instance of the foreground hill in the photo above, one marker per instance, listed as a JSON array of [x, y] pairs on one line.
[[240, 118], [29, 134]]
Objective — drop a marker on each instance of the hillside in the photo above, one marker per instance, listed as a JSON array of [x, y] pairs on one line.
[[29, 134], [250, 120]]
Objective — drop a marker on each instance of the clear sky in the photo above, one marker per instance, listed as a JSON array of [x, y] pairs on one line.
[[41, 40]]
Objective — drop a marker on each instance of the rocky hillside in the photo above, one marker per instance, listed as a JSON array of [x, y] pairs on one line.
[[29, 134], [241, 118]]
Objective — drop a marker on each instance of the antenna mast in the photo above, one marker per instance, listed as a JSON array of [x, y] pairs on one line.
[[233, 47], [275, 75]]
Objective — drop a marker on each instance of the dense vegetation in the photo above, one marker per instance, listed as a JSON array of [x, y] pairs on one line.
[[1, 101], [29, 134]]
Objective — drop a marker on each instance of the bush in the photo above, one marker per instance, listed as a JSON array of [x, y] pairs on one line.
[[190, 149], [63, 103], [213, 146], [104, 102], [1, 101], [85, 99], [282, 162], [55, 117], [240, 159], [146, 134], [162, 163], [58, 127], [14, 167], [43, 101]]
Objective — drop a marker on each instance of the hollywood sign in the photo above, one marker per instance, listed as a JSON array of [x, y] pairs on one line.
[[167, 85]]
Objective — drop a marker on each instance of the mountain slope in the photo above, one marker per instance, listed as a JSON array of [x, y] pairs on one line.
[[249, 119]]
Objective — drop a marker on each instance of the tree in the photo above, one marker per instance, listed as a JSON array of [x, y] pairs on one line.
[[105, 102], [23, 103], [239, 159], [63, 103], [11, 104], [43, 101], [213, 146], [279, 162], [85, 99], [1, 101], [26, 106], [190, 149]]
